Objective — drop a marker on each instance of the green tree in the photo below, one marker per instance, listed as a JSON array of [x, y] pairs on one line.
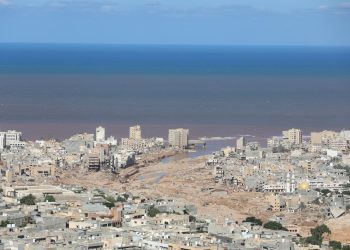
[[49, 198], [152, 211], [110, 202], [317, 233], [192, 218], [347, 247], [28, 199], [302, 206], [336, 245], [273, 225], [27, 220], [254, 220], [325, 191], [121, 199], [4, 223]]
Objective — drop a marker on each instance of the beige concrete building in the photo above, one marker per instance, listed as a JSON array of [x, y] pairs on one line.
[[9, 176], [134, 144], [178, 137], [323, 138], [135, 132], [43, 170], [294, 136], [276, 202]]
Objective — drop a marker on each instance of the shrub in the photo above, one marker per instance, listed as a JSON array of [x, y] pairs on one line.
[[49, 198], [121, 199], [325, 191], [152, 211], [192, 218], [28, 200], [110, 202], [253, 220], [336, 245], [273, 225], [27, 220], [317, 235], [316, 201], [4, 223]]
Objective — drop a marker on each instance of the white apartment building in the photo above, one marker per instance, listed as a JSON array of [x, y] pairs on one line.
[[241, 143], [11, 138], [294, 136], [339, 144], [100, 134], [178, 137], [135, 132], [2, 140]]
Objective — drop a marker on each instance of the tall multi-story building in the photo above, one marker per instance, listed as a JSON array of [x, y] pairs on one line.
[[241, 143], [2, 140], [294, 136], [100, 134], [135, 132], [178, 137]]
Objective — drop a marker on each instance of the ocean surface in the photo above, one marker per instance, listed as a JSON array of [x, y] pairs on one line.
[[58, 90]]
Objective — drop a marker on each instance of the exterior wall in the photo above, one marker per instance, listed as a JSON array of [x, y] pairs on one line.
[[178, 137]]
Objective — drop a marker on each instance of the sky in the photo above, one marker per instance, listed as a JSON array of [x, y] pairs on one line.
[[198, 22]]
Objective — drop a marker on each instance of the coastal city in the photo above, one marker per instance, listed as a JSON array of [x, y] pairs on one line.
[[91, 191]]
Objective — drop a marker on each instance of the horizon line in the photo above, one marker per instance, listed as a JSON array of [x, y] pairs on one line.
[[177, 44]]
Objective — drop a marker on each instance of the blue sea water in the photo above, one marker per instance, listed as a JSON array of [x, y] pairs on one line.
[[158, 59], [57, 90]]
